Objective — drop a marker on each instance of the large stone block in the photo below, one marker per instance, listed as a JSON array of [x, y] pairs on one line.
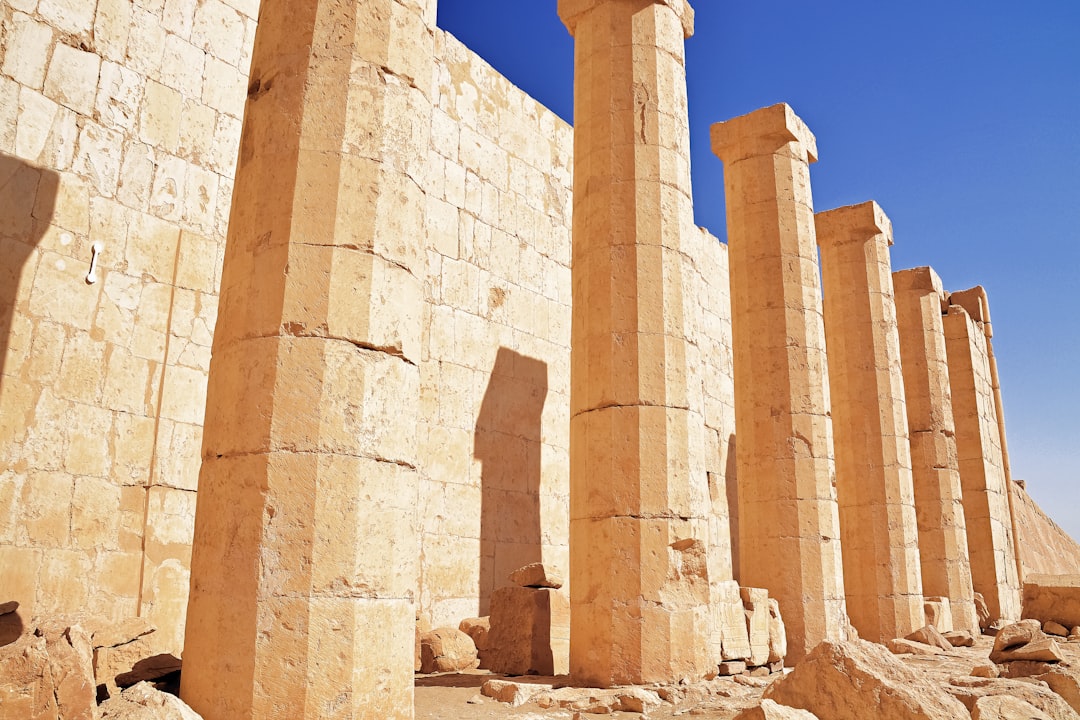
[[530, 632]]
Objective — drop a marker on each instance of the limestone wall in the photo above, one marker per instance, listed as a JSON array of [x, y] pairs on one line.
[[1045, 548], [119, 125]]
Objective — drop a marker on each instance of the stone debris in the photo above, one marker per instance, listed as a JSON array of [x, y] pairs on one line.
[[8, 607], [901, 646], [26, 682], [1053, 628], [843, 681], [730, 618], [447, 649], [986, 670], [477, 629], [769, 710], [732, 667], [1024, 641], [756, 611], [938, 612], [1004, 707], [536, 575], [982, 612], [929, 635], [1053, 598], [512, 693], [777, 633], [959, 638], [144, 702], [968, 690], [71, 665], [113, 634], [529, 632], [1061, 678]]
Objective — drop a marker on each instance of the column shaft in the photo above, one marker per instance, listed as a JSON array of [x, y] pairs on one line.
[[878, 529], [304, 559], [943, 547], [789, 534], [986, 502], [639, 497]]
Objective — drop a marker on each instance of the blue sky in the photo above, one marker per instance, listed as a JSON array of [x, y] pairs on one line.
[[961, 118]]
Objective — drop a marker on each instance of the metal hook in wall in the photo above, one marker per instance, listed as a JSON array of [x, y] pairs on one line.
[[96, 248]]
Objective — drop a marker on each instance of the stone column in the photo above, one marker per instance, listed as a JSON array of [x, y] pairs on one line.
[[639, 499], [986, 497], [305, 552], [789, 531], [939, 506], [873, 458]]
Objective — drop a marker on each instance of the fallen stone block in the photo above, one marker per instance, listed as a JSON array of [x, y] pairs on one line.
[[732, 667], [26, 682], [9, 607], [769, 710], [529, 632], [1024, 641], [777, 633], [855, 680], [959, 638], [938, 612], [1052, 597], [968, 690], [929, 635], [446, 649], [986, 670], [536, 575], [982, 612], [900, 646], [114, 634], [1062, 679], [1052, 628], [756, 611], [1005, 707], [144, 702], [514, 694], [71, 662], [731, 621]]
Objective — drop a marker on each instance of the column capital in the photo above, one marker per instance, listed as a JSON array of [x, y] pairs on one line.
[[852, 224], [977, 304], [922, 280], [570, 11], [762, 132]]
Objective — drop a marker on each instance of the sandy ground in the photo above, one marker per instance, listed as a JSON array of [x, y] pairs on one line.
[[457, 696]]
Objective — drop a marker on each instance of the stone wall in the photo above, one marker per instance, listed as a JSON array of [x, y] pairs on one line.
[[1044, 547], [119, 126]]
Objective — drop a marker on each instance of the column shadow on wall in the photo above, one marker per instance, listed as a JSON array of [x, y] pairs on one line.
[[27, 199], [508, 446], [731, 487]]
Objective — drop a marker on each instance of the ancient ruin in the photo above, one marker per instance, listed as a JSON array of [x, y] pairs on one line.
[[327, 354]]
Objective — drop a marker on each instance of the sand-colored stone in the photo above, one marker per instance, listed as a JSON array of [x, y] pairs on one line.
[[938, 612], [446, 650], [756, 610], [145, 702], [845, 680], [978, 442], [1053, 597], [789, 531], [935, 465], [26, 683], [530, 632], [1045, 549], [1006, 707], [931, 636], [769, 710], [638, 493], [874, 489], [971, 690], [304, 562]]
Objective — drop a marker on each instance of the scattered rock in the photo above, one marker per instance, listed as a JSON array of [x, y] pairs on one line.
[[900, 646], [1024, 641], [959, 638], [9, 607], [476, 700], [968, 690], [777, 633], [986, 670], [477, 629], [982, 612], [530, 632], [114, 634], [536, 575], [842, 681], [929, 635], [1052, 628], [1062, 679], [1004, 707], [446, 649], [732, 667], [513, 693], [1053, 597], [938, 612], [144, 702], [731, 621], [769, 710], [756, 610], [26, 683], [71, 663]]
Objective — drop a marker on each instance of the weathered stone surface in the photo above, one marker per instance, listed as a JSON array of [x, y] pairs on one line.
[[929, 635], [1024, 641], [529, 632], [938, 611], [968, 691], [1061, 678], [27, 691], [982, 612], [111, 634], [144, 702], [71, 664], [536, 575], [732, 667], [756, 611], [777, 633], [769, 710], [843, 681], [514, 694], [986, 670], [901, 646], [9, 607], [730, 620], [477, 629], [959, 638], [446, 650], [1054, 628], [602, 701], [1053, 597], [1006, 707]]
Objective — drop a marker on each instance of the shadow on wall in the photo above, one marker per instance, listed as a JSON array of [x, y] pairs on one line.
[[731, 487], [507, 444], [27, 199]]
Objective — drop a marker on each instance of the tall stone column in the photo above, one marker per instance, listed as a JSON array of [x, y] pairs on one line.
[[789, 530], [639, 499], [939, 505], [304, 559], [982, 476], [873, 457]]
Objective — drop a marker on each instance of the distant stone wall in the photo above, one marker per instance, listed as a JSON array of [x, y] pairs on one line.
[[1045, 548], [119, 125]]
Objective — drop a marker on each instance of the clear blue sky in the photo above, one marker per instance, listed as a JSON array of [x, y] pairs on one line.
[[961, 118]]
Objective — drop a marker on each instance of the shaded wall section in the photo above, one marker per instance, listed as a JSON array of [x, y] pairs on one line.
[[1044, 547]]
